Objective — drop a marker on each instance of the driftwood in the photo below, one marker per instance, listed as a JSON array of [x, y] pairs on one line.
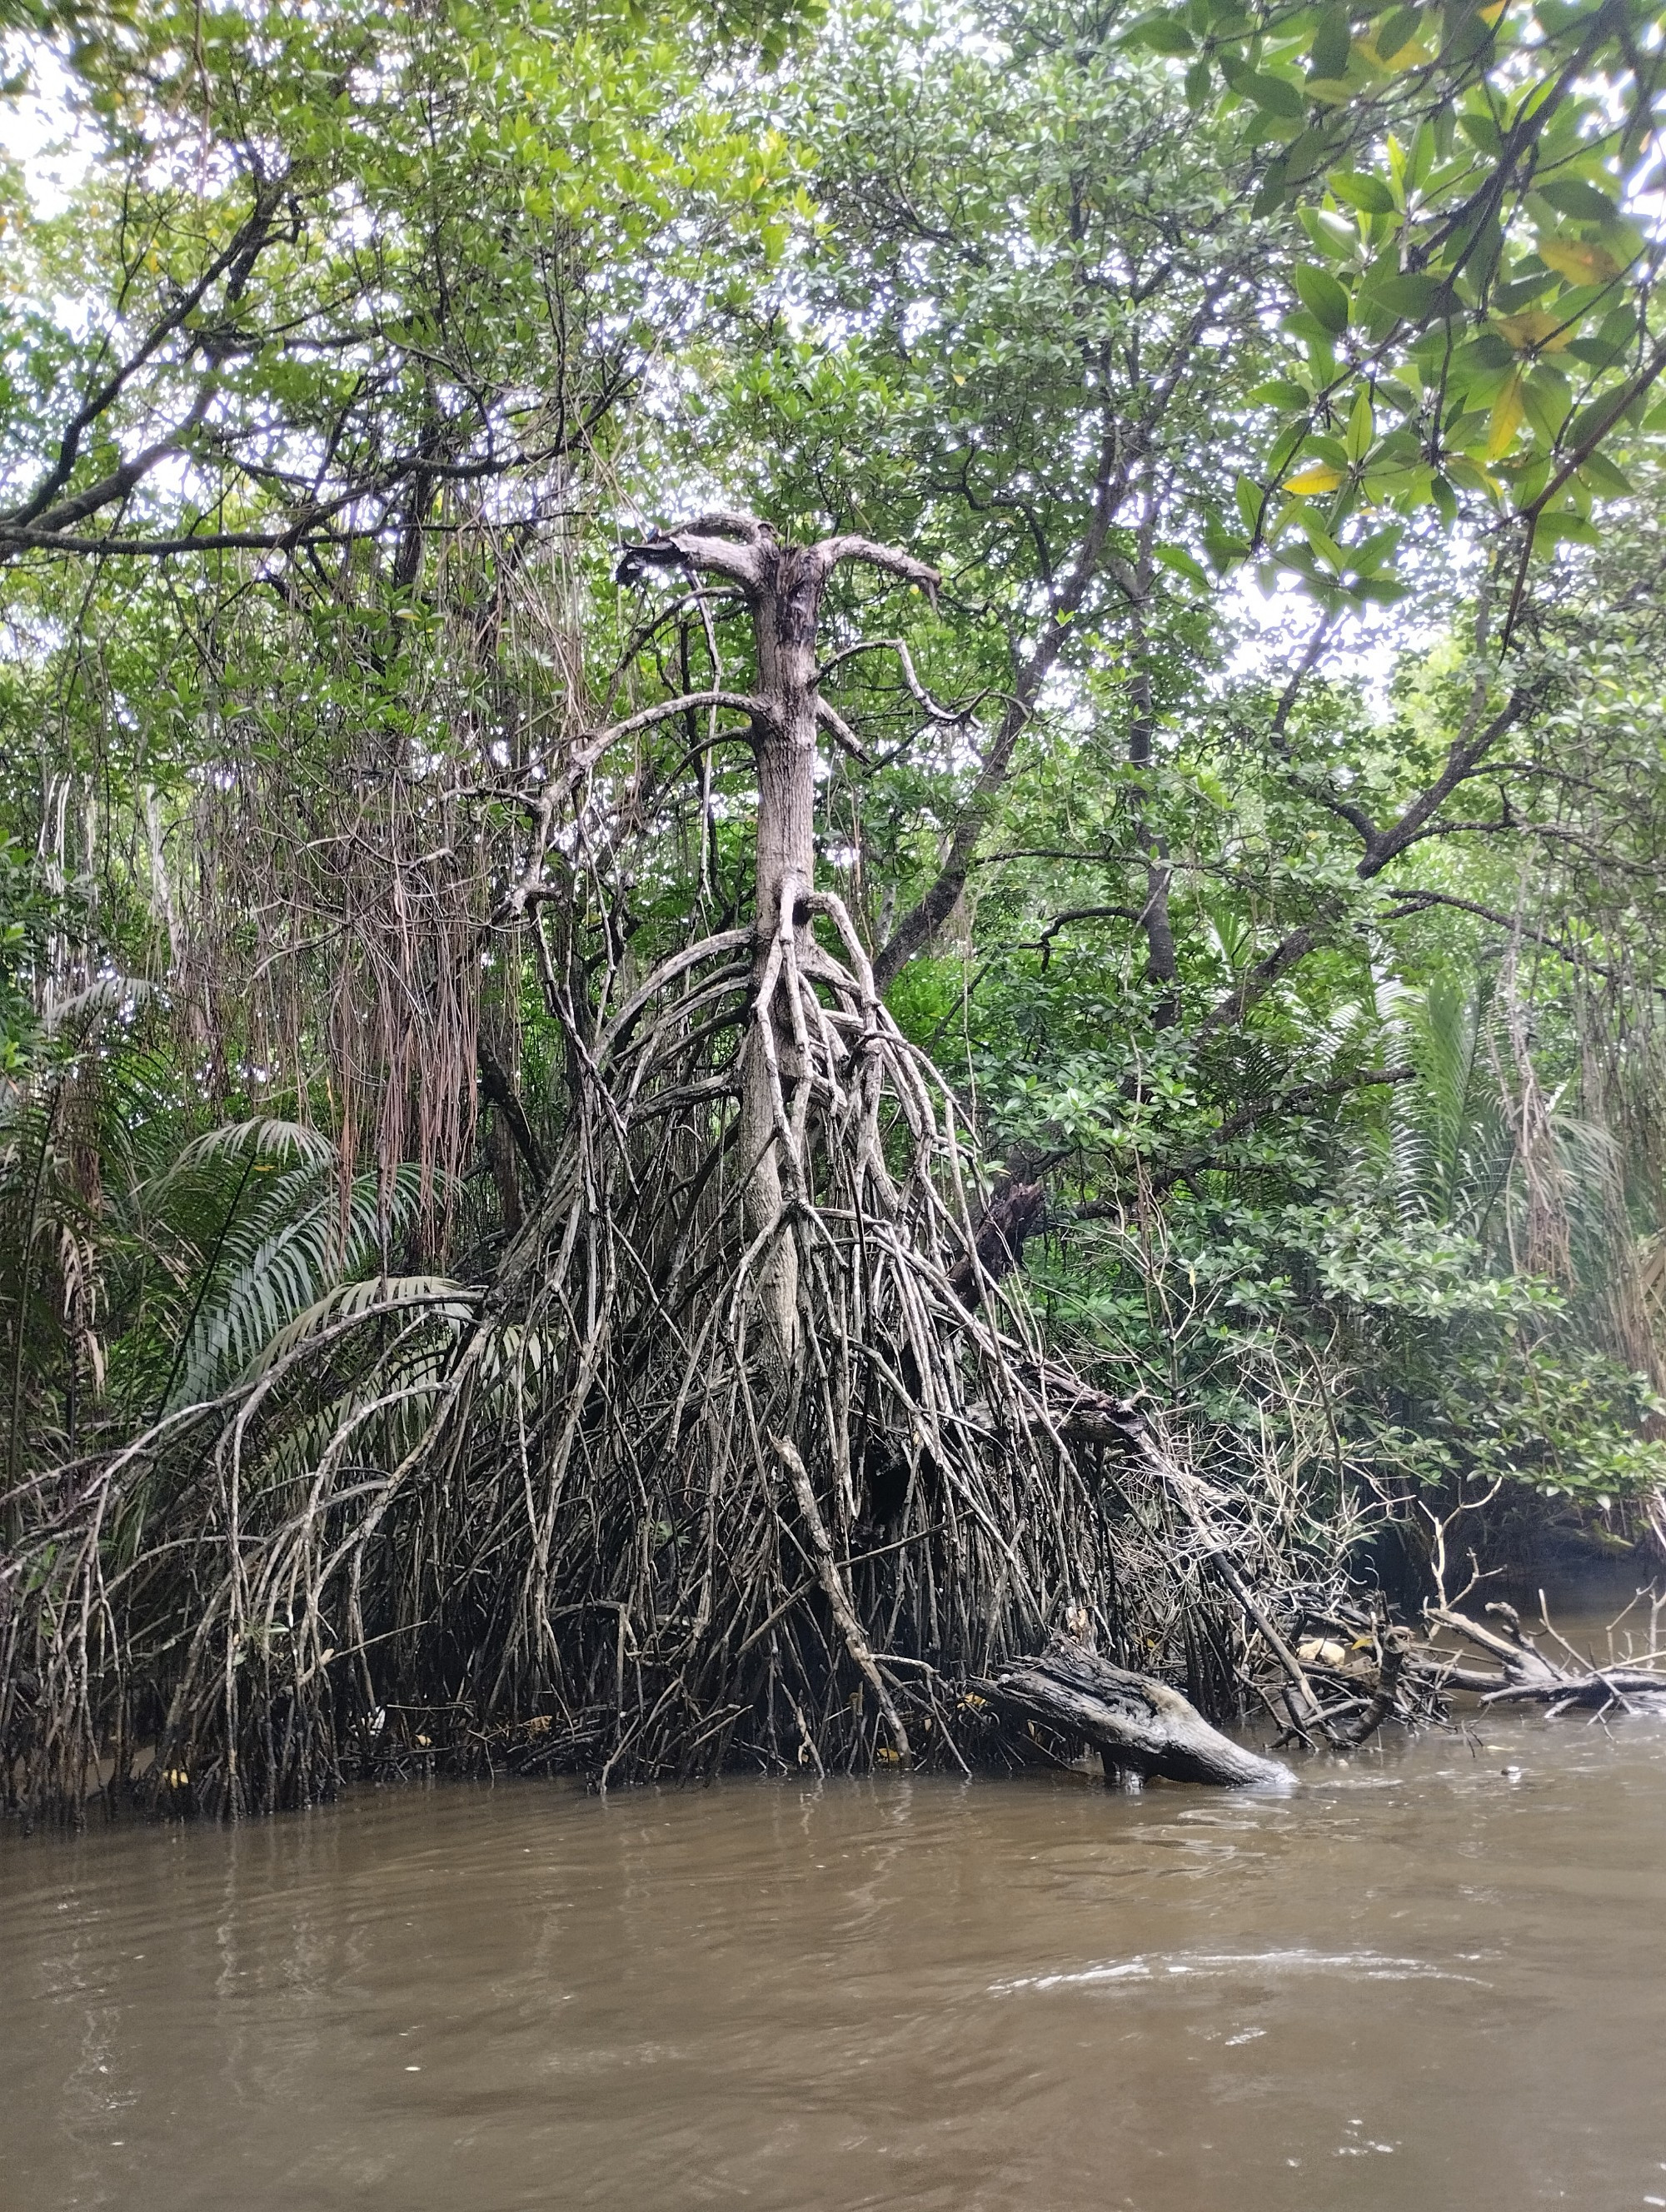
[[1094, 1417], [1528, 1676], [1526, 1672], [1140, 1727]]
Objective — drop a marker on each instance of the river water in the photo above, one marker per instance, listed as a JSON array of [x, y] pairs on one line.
[[1424, 1982]]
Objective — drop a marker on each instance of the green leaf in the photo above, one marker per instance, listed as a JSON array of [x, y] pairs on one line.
[[1287, 446], [1275, 95], [1484, 355], [1595, 353], [1336, 239], [1175, 557], [1321, 542], [1330, 449], [1421, 158], [1545, 395], [1413, 299], [1596, 420], [1531, 479], [1249, 497], [1552, 529], [1482, 132], [1161, 31], [1225, 550], [1281, 392], [1381, 545], [1275, 188], [1398, 30], [1323, 298], [1601, 474], [1332, 43], [1362, 426], [1361, 190], [1307, 153], [1522, 291], [1472, 36], [1573, 196], [1469, 474]]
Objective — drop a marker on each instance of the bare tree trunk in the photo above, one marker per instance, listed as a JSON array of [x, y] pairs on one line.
[[783, 586], [786, 603]]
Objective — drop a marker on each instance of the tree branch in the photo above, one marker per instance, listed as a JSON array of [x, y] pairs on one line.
[[1121, 447], [831, 550], [1467, 750], [1420, 902], [721, 543], [934, 709], [502, 1094], [236, 262]]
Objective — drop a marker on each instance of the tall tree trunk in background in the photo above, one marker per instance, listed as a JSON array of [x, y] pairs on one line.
[[1161, 961]]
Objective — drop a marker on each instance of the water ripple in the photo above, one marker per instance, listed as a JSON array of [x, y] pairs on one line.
[[1205, 1966]]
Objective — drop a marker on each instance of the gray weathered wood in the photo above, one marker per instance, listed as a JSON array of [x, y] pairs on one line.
[[1135, 1723]]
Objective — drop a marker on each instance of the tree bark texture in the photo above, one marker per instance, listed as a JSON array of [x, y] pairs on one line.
[[1139, 1726], [783, 586]]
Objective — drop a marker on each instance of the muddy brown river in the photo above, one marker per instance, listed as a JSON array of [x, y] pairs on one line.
[[1424, 1982]]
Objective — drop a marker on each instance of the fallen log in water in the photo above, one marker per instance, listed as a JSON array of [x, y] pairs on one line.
[[1529, 1676], [1138, 1726]]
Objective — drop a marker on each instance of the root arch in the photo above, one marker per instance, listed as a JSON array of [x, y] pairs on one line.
[[750, 1449]]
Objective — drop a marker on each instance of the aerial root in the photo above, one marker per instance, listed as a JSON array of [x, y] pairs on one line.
[[604, 1514]]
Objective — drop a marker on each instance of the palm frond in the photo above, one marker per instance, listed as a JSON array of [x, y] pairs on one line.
[[266, 1138], [454, 1304], [299, 1238]]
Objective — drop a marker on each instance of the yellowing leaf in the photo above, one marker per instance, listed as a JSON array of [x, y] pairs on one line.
[[1313, 480], [1492, 12], [1410, 56], [1580, 262], [1509, 413], [1535, 330]]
